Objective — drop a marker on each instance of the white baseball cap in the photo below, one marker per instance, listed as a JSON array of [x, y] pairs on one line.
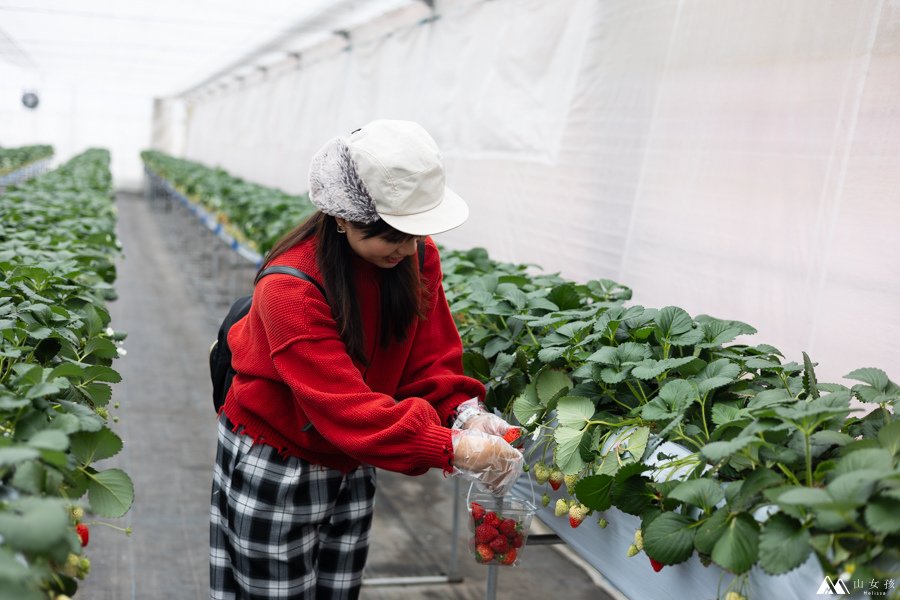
[[390, 170]]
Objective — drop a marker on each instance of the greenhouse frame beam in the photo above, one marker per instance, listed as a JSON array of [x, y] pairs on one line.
[[274, 46]]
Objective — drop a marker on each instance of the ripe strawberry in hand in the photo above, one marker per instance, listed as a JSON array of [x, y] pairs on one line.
[[512, 434]]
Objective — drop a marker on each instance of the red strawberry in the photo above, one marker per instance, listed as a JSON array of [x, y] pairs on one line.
[[483, 553], [657, 566], [512, 434], [499, 545], [507, 527], [556, 478], [492, 519], [484, 533], [516, 540], [82, 530], [477, 511], [509, 558]]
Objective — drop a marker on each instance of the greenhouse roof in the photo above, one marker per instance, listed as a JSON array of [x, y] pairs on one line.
[[164, 47]]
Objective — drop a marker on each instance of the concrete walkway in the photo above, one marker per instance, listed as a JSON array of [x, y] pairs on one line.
[[171, 315]]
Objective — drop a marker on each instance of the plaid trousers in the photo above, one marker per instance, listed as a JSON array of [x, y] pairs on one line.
[[285, 528]]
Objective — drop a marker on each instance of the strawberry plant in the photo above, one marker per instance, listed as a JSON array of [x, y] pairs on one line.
[[253, 214], [57, 246], [775, 465], [13, 159]]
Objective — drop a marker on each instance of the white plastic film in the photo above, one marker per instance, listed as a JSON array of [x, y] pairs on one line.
[[735, 159]]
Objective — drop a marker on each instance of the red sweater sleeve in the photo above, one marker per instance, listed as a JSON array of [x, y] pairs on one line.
[[310, 357], [434, 370]]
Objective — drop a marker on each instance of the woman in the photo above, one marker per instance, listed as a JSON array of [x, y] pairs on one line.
[[328, 387]]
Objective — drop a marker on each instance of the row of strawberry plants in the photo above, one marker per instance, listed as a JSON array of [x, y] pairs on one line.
[[57, 251], [13, 159], [254, 214], [776, 465]]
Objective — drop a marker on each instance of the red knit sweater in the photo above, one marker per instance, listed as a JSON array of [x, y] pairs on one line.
[[294, 371]]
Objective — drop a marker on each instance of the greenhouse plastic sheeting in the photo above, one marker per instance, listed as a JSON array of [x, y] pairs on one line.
[[738, 159]]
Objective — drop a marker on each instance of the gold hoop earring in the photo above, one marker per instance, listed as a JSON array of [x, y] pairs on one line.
[[341, 229]]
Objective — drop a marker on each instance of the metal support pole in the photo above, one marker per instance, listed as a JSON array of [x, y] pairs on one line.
[[491, 592], [453, 575]]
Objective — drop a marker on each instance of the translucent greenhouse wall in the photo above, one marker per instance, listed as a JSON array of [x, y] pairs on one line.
[[72, 118], [739, 159]]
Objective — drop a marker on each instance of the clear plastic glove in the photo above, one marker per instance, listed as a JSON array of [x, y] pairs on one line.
[[474, 417], [487, 460]]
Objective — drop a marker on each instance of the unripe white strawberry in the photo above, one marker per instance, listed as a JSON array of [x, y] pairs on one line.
[[541, 473], [561, 508], [632, 550], [571, 480], [639, 539]]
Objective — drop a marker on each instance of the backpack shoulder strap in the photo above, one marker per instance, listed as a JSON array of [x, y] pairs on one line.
[[421, 250], [281, 270]]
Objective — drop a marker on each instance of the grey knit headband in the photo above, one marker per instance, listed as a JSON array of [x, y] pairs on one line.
[[335, 186]]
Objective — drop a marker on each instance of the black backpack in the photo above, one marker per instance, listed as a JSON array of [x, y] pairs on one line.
[[220, 369]]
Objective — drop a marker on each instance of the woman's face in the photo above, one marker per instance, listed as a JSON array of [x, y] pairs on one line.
[[377, 250]]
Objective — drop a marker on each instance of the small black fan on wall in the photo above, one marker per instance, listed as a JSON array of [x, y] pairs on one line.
[[30, 99]]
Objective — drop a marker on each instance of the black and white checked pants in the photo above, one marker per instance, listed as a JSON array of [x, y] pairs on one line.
[[284, 528]]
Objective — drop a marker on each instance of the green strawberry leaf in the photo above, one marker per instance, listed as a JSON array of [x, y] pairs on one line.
[[702, 492], [669, 538], [91, 446], [550, 384], [716, 451], [568, 456], [35, 525], [110, 493], [711, 530], [784, 544], [574, 411], [738, 548], [883, 514], [594, 491], [527, 408]]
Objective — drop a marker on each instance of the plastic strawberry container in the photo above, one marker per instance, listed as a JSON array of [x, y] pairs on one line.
[[499, 528]]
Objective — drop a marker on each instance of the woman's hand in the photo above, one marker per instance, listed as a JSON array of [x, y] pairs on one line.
[[487, 460], [471, 415]]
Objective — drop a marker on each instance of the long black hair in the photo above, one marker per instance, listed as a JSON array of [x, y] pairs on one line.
[[403, 294]]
